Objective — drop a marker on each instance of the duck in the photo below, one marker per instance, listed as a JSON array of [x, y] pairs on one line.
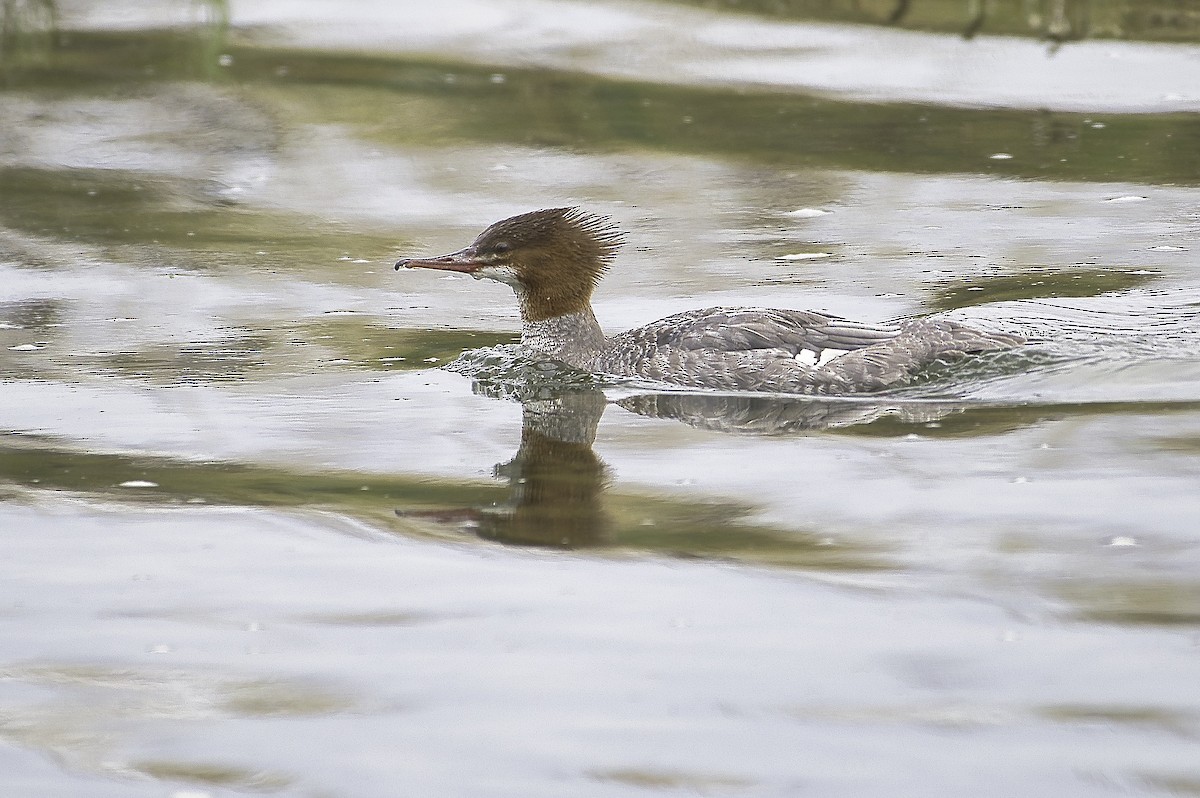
[[554, 258]]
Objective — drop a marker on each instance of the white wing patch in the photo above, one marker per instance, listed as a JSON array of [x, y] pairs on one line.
[[830, 354], [818, 359]]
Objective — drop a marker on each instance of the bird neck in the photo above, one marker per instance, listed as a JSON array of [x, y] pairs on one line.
[[572, 338]]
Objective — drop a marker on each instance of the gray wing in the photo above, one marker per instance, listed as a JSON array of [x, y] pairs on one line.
[[752, 349], [744, 329]]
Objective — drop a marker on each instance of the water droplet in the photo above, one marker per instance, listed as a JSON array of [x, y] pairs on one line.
[[1000, 156], [138, 483]]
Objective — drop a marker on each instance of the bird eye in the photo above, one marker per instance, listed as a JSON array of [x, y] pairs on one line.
[[500, 247]]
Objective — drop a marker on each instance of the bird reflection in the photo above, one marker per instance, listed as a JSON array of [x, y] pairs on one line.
[[556, 481], [771, 415]]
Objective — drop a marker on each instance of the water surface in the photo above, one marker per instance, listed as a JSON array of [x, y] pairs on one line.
[[259, 539]]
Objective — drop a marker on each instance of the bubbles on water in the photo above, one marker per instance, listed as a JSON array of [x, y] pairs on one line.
[[508, 371], [1134, 345]]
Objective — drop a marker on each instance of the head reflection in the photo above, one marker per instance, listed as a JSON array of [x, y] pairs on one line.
[[555, 479]]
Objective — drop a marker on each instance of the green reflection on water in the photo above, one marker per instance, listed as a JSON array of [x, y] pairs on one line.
[[1150, 602], [227, 360], [1172, 783], [406, 101], [390, 348], [281, 699], [211, 774], [1167, 719], [26, 34], [1036, 283], [674, 780], [546, 108], [268, 351], [443, 508], [129, 212]]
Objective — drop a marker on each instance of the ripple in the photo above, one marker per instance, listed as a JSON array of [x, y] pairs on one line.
[[508, 371]]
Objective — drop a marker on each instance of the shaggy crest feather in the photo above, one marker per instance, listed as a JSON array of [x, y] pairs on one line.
[[584, 241]]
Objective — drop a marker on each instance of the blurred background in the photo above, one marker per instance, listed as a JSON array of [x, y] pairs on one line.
[[267, 529]]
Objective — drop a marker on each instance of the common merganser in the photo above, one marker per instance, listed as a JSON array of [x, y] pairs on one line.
[[554, 258]]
